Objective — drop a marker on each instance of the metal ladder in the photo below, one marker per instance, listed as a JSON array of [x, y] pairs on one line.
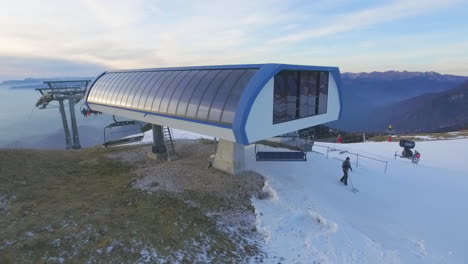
[[169, 142]]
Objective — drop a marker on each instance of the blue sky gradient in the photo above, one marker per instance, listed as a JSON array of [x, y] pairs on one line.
[[84, 37]]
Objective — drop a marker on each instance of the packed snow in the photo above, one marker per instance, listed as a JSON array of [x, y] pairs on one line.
[[176, 133], [411, 214], [408, 214]]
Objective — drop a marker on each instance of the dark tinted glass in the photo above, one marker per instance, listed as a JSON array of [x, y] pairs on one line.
[[210, 94], [222, 94], [323, 96], [308, 91], [285, 97], [296, 95], [279, 98]]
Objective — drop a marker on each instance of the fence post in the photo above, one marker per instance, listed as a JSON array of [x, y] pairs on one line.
[[386, 163], [357, 160], [327, 151]]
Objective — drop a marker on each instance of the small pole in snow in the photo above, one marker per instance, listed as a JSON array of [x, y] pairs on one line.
[[357, 160], [386, 163], [327, 151]]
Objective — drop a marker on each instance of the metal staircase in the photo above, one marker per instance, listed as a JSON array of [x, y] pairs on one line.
[[169, 142]]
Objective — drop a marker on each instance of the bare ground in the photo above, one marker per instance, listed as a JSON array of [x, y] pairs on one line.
[[117, 205]]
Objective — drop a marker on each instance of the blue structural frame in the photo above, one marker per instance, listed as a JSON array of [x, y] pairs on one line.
[[258, 81], [265, 73]]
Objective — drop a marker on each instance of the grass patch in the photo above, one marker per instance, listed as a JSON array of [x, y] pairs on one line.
[[62, 206]]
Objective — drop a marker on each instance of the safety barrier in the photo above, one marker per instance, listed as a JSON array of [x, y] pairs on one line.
[[351, 153]]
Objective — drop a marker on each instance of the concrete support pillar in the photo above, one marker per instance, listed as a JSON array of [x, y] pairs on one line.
[[230, 157], [159, 147]]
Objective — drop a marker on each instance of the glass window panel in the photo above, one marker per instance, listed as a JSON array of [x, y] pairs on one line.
[[128, 97], [140, 97], [170, 90], [232, 101], [187, 93], [128, 87], [179, 90], [286, 98], [148, 101], [198, 93], [279, 99], [323, 99], [210, 94], [163, 88], [308, 87], [216, 108], [311, 106]]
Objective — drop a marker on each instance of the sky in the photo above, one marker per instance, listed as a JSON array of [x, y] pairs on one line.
[[54, 38]]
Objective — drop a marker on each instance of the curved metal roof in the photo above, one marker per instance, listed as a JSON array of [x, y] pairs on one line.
[[202, 94], [213, 95]]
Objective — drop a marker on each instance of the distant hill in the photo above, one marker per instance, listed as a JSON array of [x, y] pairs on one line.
[[364, 93], [32, 83], [403, 75], [434, 112]]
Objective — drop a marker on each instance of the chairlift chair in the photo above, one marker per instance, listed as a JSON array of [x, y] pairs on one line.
[[133, 128], [296, 154]]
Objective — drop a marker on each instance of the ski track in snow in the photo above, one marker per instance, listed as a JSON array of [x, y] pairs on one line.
[[412, 214]]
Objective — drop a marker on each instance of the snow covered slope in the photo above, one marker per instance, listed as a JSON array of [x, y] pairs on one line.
[[177, 134], [412, 214]]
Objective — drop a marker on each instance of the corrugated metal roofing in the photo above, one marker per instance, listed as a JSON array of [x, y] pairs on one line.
[[201, 94]]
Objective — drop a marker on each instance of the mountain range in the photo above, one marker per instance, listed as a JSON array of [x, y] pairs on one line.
[[368, 97], [433, 112]]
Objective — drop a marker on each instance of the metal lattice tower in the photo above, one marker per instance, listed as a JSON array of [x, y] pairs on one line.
[[73, 91]]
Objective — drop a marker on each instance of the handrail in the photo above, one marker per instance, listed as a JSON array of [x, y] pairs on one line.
[[357, 156]]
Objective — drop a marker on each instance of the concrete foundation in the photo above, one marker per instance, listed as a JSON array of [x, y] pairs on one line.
[[229, 157]]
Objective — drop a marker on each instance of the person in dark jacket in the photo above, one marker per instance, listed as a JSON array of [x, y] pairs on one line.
[[346, 166]]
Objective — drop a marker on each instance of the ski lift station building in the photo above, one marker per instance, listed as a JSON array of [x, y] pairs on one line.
[[239, 104]]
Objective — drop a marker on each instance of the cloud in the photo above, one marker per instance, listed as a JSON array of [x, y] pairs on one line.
[[364, 18], [152, 33], [14, 67]]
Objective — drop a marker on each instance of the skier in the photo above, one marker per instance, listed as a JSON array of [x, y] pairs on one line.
[[346, 166]]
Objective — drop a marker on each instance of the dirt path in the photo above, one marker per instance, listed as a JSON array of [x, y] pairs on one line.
[[117, 205]]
